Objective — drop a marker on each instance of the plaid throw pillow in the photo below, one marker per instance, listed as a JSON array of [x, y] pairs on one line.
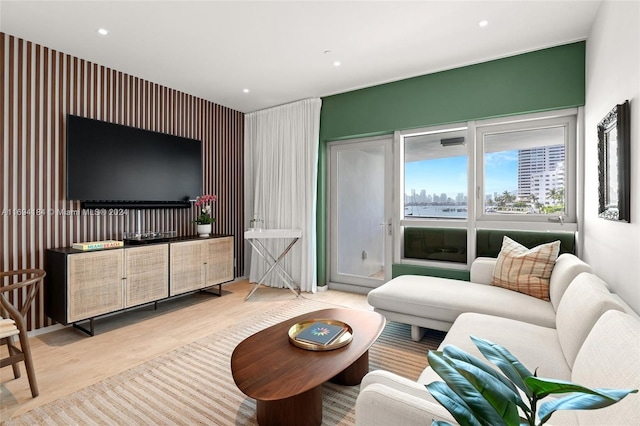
[[523, 270]]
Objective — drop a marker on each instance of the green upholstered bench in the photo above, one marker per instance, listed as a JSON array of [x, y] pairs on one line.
[[489, 241], [445, 244], [449, 244]]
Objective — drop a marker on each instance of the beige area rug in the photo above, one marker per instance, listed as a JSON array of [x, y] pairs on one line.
[[193, 385]]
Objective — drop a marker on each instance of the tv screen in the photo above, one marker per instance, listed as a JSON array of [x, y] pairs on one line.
[[110, 165]]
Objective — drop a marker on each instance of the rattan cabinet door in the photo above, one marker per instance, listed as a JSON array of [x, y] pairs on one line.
[[94, 284], [187, 270], [218, 260], [147, 274]]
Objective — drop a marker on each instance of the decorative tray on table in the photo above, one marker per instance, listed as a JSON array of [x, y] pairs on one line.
[[320, 334]]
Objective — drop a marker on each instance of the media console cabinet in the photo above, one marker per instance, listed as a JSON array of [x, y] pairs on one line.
[[81, 285]]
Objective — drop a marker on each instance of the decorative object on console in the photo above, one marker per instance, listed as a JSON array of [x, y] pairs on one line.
[[204, 220], [525, 270], [98, 245], [257, 223], [475, 393], [204, 231], [148, 236]]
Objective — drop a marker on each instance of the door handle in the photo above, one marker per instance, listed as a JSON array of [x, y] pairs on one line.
[[560, 219], [389, 228]]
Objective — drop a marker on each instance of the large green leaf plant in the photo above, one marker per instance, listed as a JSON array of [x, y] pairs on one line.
[[476, 394]]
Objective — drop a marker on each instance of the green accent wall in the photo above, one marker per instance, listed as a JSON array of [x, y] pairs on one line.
[[542, 80]]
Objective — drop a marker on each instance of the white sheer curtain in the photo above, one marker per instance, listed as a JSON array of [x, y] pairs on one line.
[[281, 176]]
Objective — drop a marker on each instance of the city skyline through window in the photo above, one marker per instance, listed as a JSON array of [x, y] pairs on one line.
[[443, 183], [420, 176]]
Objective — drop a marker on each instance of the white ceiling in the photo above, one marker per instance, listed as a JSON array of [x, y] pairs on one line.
[[284, 51]]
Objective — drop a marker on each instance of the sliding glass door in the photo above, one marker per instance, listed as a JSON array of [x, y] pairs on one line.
[[360, 228]]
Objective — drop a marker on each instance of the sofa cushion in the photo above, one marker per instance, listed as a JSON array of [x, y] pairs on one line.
[[586, 299], [535, 346], [444, 299], [610, 358], [567, 267], [525, 270]]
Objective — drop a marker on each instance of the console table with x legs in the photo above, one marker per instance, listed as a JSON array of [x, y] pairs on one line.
[[255, 238]]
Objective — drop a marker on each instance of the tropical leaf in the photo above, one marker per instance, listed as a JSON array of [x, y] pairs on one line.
[[597, 398], [454, 352], [544, 387], [501, 397], [453, 403], [506, 362], [481, 409]]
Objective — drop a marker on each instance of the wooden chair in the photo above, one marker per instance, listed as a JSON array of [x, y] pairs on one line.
[[15, 324]]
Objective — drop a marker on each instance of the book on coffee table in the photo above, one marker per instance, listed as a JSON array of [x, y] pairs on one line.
[[320, 333]]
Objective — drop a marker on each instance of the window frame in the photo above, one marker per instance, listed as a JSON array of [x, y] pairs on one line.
[[399, 219], [566, 119]]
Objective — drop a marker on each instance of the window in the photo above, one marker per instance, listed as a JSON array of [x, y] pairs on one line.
[[435, 164], [435, 174], [522, 168], [507, 173]]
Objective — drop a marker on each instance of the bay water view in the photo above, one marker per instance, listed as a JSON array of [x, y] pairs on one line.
[[459, 212]]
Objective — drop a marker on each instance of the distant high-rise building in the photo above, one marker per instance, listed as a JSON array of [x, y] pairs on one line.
[[543, 183], [536, 161]]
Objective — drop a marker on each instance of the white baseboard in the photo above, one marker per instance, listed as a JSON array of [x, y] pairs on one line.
[[350, 288], [45, 330]]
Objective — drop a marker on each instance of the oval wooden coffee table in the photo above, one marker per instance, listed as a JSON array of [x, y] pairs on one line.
[[286, 381]]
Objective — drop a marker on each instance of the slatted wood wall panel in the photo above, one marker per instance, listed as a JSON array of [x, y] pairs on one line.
[[38, 87]]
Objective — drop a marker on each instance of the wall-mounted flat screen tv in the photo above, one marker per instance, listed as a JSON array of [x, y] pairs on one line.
[[111, 165]]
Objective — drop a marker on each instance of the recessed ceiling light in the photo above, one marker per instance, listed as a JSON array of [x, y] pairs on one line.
[[483, 23], [245, 90], [103, 31], [336, 64]]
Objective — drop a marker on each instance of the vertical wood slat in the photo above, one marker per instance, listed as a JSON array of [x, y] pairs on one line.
[[39, 87]]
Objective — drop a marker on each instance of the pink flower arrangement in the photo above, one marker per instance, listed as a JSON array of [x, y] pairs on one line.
[[202, 202]]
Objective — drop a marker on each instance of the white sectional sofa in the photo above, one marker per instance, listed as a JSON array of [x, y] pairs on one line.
[[435, 303], [585, 334]]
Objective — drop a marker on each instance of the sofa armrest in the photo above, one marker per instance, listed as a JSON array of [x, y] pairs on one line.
[[380, 405], [394, 381], [482, 270]]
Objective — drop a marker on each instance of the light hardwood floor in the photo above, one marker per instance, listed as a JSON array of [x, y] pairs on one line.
[[67, 360]]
